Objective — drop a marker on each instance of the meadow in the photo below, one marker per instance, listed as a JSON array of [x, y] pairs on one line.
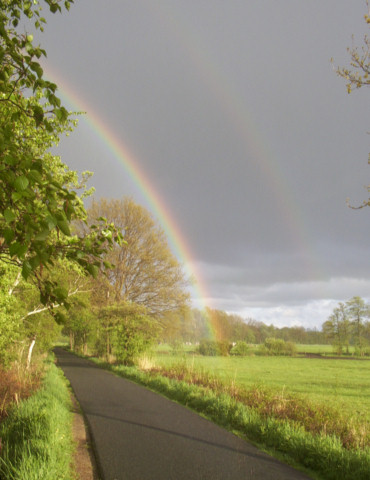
[[343, 383]]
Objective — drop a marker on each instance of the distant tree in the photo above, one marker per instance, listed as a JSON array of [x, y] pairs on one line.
[[358, 312], [348, 325], [146, 271], [358, 74], [337, 328]]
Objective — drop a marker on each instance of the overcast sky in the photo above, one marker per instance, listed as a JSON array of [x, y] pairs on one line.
[[233, 112]]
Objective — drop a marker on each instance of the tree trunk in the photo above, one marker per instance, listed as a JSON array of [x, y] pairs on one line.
[[71, 341], [32, 344]]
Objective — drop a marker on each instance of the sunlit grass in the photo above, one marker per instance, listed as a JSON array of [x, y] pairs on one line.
[[36, 438], [341, 383]]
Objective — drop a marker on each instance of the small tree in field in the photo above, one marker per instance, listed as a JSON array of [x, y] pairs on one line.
[[337, 329]]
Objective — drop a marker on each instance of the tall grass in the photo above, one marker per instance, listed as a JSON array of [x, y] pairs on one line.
[[36, 437], [321, 452]]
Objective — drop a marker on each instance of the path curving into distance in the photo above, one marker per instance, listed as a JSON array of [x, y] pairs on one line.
[[140, 435]]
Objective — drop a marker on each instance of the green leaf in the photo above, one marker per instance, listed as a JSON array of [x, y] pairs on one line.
[[51, 222], [61, 293], [54, 7], [9, 216], [60, 318], [21, 183], [8, 235], [38, 114], [16, 196], [26, 269], [64, 227], [35, 176], [93, 270], [42, 236], [17, 249], [34, 262]]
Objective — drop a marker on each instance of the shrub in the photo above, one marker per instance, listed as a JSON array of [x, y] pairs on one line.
[[208, 348], [241, 349], [133, 336], [211, 348], [277, 346]]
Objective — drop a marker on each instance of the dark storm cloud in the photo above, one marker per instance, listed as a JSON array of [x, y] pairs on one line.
[[233, 111]]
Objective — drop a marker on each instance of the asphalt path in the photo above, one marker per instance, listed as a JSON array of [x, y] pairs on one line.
[[140, 435]]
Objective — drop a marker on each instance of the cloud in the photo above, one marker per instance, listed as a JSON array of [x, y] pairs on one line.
[[307, 303]]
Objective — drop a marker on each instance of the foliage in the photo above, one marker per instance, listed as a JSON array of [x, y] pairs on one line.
[[79, 323], [358, 74], [133, 336], [277, 346], [36, 437], [212, 348], [348, 325], [146, 272], [38, 198], [240, 349], [10, 323], [120, 331], [193, 325]]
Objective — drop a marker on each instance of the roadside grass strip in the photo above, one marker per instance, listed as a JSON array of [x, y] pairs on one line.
[[36, 437], [320, 452]]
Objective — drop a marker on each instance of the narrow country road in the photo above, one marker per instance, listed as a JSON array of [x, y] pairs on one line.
[[140, 435]]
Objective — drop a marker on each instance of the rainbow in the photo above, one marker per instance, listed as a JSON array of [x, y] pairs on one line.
[[236, 110], [131, 166]]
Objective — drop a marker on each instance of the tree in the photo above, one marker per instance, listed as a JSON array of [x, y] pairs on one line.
[[358, 74], [358, 311], [146, 272], [337, 328], [124, 330], [38, 198]]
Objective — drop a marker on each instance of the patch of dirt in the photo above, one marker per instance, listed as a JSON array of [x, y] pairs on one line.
[[84, 460]]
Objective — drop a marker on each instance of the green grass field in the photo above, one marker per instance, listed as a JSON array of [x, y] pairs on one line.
[[342, 383]]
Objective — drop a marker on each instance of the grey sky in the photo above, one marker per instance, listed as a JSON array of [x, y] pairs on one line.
[[234, 113]]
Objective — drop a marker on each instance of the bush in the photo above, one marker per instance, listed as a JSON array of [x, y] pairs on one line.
[[208, 348], [133, 336], [211, 348], [277, 346], [241, 349]]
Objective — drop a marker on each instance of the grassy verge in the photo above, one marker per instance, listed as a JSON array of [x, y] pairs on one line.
[[36, 438], [320, 452]]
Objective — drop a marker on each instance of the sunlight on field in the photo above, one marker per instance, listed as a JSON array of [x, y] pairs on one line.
[[344, 383]]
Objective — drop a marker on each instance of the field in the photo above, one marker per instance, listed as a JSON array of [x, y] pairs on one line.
[[344, 383]]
